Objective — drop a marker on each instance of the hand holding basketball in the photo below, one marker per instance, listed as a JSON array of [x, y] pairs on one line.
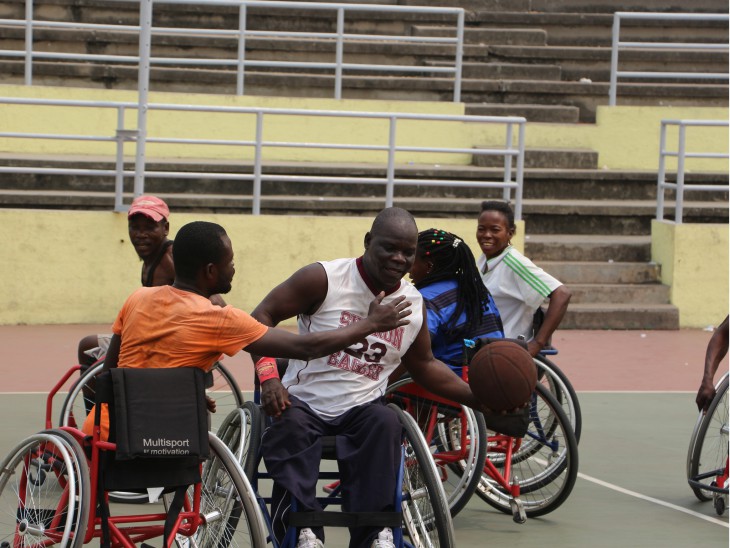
[[502, 376]]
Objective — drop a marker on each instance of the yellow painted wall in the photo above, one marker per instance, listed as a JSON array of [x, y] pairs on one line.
[[694, 262], [79, 266], [625, 137], [100, 121]]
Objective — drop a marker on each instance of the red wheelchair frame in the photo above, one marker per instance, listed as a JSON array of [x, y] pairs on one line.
[[51, 494]]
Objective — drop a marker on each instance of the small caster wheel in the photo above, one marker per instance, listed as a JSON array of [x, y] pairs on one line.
[[518, 511], [720, 505]]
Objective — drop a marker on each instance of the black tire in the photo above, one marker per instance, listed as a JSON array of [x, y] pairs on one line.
[[233, 517], [44, 498], [76, 404], [560, 387], [546, 468], [241, 432], [426, 516], [455, 436], [708, 451]]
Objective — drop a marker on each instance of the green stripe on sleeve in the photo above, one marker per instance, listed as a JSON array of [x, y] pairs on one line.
[[523, 272]]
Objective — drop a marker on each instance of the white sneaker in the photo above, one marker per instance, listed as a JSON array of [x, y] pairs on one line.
[[307, 539], [384, 539]]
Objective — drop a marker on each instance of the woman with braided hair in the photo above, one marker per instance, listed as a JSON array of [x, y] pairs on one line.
[[458, 303]]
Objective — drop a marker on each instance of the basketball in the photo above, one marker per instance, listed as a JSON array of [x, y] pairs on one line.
[[502, 375]]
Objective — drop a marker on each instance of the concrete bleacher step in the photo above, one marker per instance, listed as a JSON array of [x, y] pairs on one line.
[[556, 158], [629, 217], [603, 272], [646, 294], [493, 74], [555, 114], [614, 295], [588, 247], [550, 185], [594, 62], [484, 36], [508, 71], [619, 293], [579, 6], [608, 315], [594, 29]]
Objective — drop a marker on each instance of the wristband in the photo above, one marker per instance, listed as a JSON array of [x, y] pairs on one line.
[[266, 369]]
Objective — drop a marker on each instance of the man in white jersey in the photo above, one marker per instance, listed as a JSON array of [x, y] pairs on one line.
[[342, 394]]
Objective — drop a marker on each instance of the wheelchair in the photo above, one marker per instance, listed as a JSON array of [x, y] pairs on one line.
[[421, 518], [53, 492], [526, 476], [220, 386], [707, 457]]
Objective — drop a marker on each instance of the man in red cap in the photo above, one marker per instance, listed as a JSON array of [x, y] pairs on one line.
[[147, 221], [148, 230]]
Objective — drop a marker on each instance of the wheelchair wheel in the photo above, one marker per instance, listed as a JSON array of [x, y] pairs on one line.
[[228, 506], [426, 517], [241, 428], [544, 463], [455, 436], [44, 492], [708, 451], [552, 377]]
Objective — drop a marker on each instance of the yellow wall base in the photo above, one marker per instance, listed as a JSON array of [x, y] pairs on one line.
[[694, 262], [79, 266]]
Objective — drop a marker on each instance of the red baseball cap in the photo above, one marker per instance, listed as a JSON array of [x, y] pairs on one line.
[[149, 206]]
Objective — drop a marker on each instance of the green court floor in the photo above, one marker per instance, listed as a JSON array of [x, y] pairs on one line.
[[631, 489]]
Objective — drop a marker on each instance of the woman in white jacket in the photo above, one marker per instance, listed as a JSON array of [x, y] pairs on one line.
[[517, 285]]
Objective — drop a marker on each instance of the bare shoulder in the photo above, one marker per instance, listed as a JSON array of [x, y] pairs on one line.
[[165, 271]]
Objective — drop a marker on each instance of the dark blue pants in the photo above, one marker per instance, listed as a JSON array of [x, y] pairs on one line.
[[368, 455]]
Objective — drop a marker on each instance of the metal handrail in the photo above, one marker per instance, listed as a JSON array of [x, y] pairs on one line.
[[681, 154], [617, 45], [513, 150], [242, 33]]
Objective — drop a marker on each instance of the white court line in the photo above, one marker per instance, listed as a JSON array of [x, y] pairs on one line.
[[652, 499]]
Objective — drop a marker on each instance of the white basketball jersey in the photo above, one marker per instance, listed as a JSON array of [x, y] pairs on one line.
[[359, 374]]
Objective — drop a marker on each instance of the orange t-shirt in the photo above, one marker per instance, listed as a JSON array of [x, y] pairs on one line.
[[168, 327]]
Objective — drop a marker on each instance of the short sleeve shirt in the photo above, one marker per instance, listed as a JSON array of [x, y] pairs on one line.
[[518, 287], [168, 327], [440, 299]]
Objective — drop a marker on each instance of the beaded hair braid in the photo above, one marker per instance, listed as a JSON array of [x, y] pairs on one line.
[[452, 259]]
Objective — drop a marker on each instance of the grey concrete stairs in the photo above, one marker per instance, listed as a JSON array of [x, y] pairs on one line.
[[520, 58], [613, 282]]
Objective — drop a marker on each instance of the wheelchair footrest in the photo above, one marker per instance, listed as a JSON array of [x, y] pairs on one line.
[[345, 519]]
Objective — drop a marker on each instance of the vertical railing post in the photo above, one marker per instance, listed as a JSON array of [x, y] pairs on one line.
[[241, 69], [519, 179], [680, 175], [28, 42], [339, 52], [119, 168], [256, 209], [662, 174], [506, 192], [390, 183], [614, 59], [458, 62], [145, 45]]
